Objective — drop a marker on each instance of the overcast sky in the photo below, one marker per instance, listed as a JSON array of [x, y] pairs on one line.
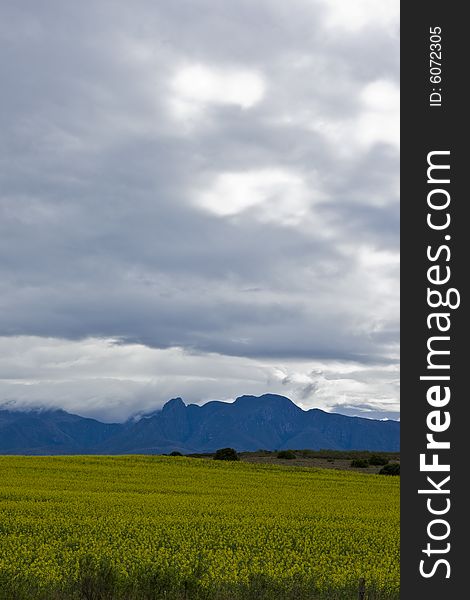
[[199, 198]]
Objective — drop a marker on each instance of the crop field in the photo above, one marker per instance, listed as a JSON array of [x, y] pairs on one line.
[[147, 527]]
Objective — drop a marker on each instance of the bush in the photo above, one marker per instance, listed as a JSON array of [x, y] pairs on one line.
[[226, 454], [359, 463], [377, 460], [287, 454], [390, 469], [175, 453]]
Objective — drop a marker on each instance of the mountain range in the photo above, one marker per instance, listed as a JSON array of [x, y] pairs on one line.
[[269, 422]]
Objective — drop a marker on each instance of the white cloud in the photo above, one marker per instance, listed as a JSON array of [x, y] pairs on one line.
[[380, 120], [375, 258], [353, 16], [377, 122], [112, 381], [273, 195], [196, 86]]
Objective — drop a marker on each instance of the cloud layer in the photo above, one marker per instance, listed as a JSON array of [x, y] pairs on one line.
[[212, 183]]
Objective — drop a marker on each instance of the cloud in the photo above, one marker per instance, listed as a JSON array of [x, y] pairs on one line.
[[357, 16], [276, 194], [196, 86], [105, 379], [220, 179]]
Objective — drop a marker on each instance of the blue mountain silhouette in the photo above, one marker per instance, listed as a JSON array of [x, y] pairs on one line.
[[250, 423]]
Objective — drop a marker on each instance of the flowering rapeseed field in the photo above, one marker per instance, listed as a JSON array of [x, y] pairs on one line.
[[146, 527]]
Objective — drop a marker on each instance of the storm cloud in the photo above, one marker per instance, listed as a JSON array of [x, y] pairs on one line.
[[210, 184]]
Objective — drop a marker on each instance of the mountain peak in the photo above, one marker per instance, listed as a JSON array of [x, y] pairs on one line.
[[173, 404], [274, 400], [270, 421]]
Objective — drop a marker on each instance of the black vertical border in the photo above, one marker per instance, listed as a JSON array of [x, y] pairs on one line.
[[425, 129]]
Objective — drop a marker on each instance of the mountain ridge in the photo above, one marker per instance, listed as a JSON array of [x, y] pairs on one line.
[[270, 422]]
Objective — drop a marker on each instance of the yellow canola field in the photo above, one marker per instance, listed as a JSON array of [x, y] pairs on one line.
[[149, 527]]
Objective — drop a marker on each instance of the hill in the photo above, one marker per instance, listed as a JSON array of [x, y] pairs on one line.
[[250, 423]]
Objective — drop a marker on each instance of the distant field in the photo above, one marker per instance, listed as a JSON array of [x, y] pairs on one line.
[[321, 459], [148, 528]]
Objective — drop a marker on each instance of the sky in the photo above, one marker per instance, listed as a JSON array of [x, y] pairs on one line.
[[199, 199]]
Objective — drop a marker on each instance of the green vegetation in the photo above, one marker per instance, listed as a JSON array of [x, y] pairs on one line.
[[148, 528], [391, 469], [359, 463], [307, 453], [338, 459], [226, 454], [348, 454], [377, 460], [286, 454]]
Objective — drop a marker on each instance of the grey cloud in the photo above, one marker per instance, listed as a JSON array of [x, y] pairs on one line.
[[112, 380], [99, 232]]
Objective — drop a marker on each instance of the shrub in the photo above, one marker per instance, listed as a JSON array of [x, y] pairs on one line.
[[377, 460], [175, 453], [390, 469], [359, 463], [287, 454], [226, 454]]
